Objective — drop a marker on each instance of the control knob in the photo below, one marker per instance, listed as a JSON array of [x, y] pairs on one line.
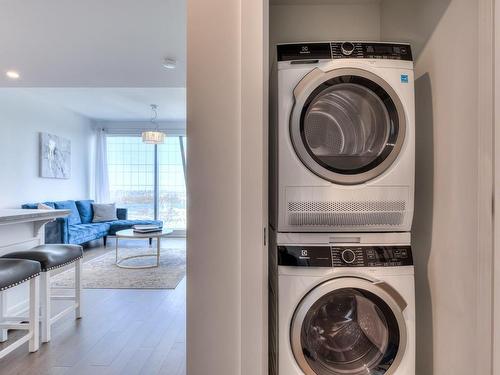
[[347, 48], [348, 256]]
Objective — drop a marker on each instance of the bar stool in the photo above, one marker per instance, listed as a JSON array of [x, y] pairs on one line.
[[14, 272], [50, 257]]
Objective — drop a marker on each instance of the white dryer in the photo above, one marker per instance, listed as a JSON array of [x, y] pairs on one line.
[[346, 305], [342, 138]]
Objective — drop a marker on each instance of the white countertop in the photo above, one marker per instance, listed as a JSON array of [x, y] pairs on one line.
[[14, 215]]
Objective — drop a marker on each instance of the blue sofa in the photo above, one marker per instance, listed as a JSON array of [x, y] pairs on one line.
[[77, 228]]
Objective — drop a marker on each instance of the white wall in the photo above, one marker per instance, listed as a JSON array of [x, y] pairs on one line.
[[254, 191], [227, 260], [22, 118], [214, 186], [496, 184], [306, 23], [445, 37]]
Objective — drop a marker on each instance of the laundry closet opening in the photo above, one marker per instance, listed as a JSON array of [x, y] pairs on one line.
[[437, 210]]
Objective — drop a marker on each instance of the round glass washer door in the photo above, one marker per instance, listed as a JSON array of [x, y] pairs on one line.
[[347, 125], [348, 326]]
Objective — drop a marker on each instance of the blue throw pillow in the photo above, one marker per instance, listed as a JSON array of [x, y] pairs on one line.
[[85, 210], [74, 217], [30, 206]]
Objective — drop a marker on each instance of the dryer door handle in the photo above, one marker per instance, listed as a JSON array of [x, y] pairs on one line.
[[398, 298], [313, 76]]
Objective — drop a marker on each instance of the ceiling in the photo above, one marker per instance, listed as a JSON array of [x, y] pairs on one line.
[[115, 104], [93, 43]]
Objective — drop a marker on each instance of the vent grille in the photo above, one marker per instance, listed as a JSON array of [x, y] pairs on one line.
[[361, 219], [346, 213], [310, 206]]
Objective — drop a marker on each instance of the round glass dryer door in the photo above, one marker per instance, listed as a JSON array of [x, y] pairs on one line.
[[348, 331], [347, 125]]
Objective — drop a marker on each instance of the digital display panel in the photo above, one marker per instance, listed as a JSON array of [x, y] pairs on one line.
[[385, 254], [381, 255], [380, 49]]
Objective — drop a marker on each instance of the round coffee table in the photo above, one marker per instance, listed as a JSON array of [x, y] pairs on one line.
[[130, 234]]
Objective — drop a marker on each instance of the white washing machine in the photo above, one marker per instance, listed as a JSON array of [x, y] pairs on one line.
[[342, 138], [346, 305]]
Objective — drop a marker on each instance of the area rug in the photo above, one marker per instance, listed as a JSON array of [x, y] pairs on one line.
[[102, 273]]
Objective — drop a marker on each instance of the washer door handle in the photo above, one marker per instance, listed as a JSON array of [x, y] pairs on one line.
[[398, 298]]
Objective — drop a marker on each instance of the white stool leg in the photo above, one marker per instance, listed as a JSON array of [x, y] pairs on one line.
[[3, 308], [45, 305], [34, 327], [78, 288]]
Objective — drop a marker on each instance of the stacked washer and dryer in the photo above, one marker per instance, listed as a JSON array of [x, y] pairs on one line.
[[342, 298]]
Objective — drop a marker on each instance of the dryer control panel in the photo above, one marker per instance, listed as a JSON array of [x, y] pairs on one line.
[[345, 256], [343, 50]]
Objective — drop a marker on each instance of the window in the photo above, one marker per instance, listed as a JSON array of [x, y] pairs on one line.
[[172, 186], [147, 190], [131, 175]]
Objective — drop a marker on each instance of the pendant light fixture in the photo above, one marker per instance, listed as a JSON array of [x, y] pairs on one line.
[[155, 136]]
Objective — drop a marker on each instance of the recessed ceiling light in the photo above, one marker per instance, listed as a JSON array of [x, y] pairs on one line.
[[169, 63], [12, 74]]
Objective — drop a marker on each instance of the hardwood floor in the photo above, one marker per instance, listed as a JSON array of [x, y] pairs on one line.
[[122, 332]]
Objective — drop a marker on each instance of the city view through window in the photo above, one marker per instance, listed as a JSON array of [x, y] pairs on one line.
[[131, 168]]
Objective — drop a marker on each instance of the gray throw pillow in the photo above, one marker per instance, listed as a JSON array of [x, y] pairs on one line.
[[104, 212], [43, 206]]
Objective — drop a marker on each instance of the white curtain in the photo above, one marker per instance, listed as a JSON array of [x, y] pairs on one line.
[[101, 169]]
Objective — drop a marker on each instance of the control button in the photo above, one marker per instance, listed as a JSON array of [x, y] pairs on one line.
[[347, 48], [348, 256]]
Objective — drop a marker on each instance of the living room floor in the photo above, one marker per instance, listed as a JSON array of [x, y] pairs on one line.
[[123, 331]]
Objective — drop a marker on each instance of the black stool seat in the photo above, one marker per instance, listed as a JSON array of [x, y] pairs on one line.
[[50, 256], [16, 271]]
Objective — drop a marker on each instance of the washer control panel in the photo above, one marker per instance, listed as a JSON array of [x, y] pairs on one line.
[[345, 256], [313, 52]]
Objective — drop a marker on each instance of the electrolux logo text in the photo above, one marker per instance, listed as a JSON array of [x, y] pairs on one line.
[[305, 50]]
